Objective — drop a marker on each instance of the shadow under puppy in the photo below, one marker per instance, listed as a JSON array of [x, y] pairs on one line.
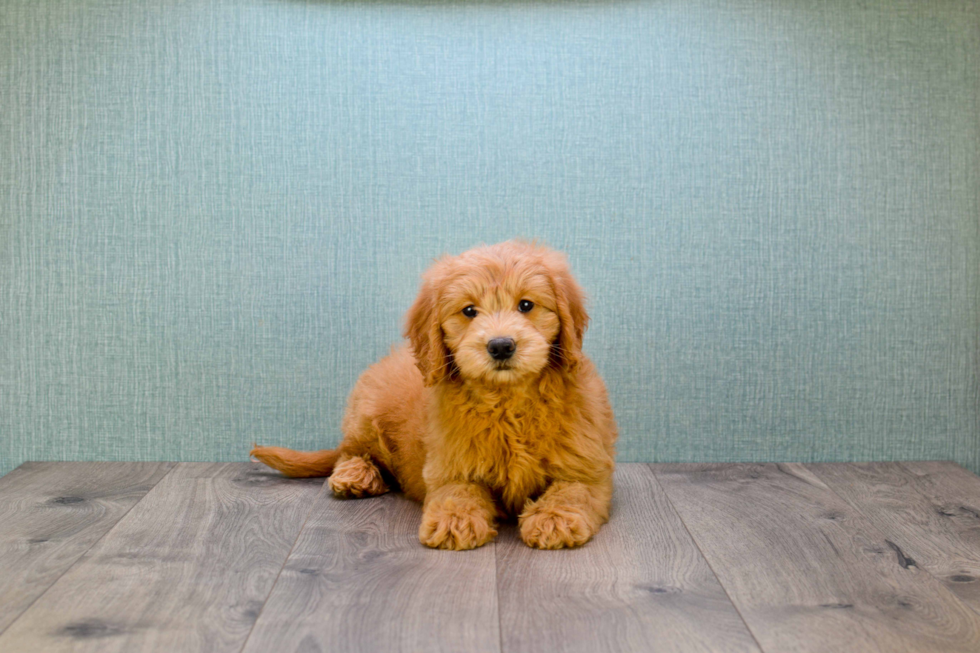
[[492, 411]]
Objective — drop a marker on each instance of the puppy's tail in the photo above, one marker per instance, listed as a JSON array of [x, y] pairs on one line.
[[297, 464]]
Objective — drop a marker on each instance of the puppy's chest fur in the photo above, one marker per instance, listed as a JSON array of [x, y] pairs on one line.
[[506, 443]]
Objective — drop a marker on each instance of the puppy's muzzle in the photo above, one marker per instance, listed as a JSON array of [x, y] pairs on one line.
[[501, 349]]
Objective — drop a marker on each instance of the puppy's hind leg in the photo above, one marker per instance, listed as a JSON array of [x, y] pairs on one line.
[[355, 477]]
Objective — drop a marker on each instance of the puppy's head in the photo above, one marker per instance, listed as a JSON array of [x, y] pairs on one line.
[[497, 315]]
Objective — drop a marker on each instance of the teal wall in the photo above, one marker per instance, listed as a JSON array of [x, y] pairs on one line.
[[213, 213]]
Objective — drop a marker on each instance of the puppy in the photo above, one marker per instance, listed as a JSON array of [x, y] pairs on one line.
[[490, 412]]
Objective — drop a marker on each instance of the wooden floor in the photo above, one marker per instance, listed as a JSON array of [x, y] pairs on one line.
[[231, 557]]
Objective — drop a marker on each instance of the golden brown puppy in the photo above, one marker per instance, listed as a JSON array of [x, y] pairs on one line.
[[493, 411]]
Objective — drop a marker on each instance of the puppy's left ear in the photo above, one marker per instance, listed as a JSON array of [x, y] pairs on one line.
[[571, 313]]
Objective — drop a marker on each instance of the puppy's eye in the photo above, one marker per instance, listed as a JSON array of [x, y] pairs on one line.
[[470, 311], [525, 306]]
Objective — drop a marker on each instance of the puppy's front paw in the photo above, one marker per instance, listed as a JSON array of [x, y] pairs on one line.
[[455, 527], [555, 528]]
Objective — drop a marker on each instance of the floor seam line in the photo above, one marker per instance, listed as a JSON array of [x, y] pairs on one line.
[[496, 588], [711, 568], [84, 553]]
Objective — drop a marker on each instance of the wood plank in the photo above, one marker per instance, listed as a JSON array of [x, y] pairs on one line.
[[52, 513], [187, 569], [359, 580], [806, 570], [931, 510], [641, 584]]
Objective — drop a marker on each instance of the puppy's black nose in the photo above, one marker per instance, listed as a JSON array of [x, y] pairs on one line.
[[501, 348]]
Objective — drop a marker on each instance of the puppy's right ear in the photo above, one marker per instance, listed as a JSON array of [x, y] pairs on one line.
[[423, 330]]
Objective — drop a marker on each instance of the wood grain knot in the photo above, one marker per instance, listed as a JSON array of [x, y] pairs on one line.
[[66, 501], [904, 561], [659, 589], [92, 629]]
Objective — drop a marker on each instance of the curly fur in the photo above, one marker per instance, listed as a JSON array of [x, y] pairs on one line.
[[474, 439]]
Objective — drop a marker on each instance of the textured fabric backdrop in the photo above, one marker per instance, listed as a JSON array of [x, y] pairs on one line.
[[213, 213]]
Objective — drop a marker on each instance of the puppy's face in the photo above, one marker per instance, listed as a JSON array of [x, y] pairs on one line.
[[497, 315], [500, 329]]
